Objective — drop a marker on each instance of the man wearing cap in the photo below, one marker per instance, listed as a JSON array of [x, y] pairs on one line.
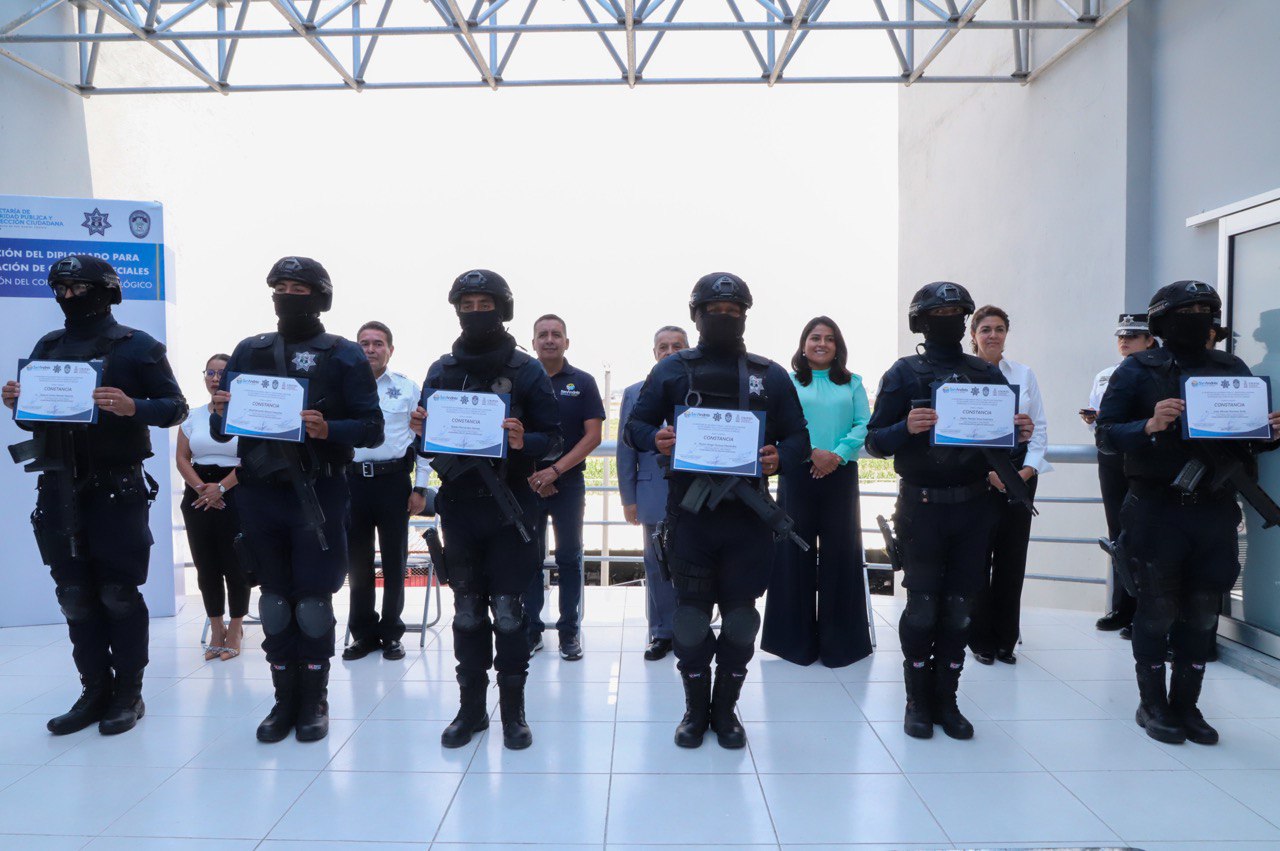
[[1132, 335], [293, 497], [91, 512]]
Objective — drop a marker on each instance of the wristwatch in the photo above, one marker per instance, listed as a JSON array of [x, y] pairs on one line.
[[222, 488]]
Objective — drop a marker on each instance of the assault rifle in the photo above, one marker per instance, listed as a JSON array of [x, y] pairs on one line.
[[712, 490], [452, 467]]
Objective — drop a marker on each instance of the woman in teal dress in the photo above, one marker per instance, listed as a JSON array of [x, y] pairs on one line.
[[816, 606]]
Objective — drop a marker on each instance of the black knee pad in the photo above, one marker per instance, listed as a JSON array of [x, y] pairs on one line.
[[1155, 615], [315, 616], [1200, 612], [921, 612], [957, 611], [739, 626], [689, 626], [77, 602], [508, 613], [121, 601], [275, 613], [469, 613]]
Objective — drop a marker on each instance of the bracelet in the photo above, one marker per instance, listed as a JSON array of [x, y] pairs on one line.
[[556, 470]]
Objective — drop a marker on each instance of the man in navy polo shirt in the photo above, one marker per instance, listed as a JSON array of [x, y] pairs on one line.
[[560, 486]]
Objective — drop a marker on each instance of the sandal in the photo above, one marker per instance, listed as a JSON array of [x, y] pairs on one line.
[[217, 635], [211, 652], [232, 637]]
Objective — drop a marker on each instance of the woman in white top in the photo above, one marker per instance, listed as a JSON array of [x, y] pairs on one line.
[[208, 508], [994, 631]]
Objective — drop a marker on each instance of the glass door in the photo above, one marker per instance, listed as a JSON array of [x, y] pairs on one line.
[[1250, 247]]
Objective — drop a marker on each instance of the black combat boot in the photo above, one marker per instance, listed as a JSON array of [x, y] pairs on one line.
[[312, 723], [95, 695], [946, 681], [1154, 714], [697, 708], [1184, 693], [516, 734], [473, 710], [918, 721], [279, 720], [724, 720], [126, 706]]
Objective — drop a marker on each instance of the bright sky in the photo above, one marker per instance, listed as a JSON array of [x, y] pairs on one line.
[[601, 205]]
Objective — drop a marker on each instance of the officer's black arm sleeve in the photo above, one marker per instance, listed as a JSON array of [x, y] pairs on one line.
[[162, 404], [648, 413], [1121, 421], [887, 428], [790, 426], [360, 392], [540, 417], [217, 421]]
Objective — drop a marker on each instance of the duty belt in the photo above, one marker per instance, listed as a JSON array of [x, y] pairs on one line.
[[369, 469], [942, 496], [1170, 494]]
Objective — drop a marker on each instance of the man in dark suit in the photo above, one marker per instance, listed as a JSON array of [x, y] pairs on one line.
[[644, 502]]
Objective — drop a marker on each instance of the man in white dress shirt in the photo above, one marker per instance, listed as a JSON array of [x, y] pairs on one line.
[[382, 501]]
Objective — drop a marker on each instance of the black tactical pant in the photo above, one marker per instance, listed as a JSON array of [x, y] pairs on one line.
[[1182, 559], [293, 569], [489, 569], [718, 558], [106, 615], [945, 549], [378, 504], [1114, 485]]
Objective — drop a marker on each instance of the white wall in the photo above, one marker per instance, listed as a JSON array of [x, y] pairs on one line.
[[1019, 194], [1065, 201]]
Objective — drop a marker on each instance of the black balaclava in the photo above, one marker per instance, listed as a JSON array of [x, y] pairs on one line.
[[297, 316], [721, 332], [84, 308], [945, 330], [1187, 334], [481, 329]]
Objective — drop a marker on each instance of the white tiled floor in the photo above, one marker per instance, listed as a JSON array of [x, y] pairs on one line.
[[1057, 759]]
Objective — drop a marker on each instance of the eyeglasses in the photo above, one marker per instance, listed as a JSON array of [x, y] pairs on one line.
[[214, 373], [76, 288]]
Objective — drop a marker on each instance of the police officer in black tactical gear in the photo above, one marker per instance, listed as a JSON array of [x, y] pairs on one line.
[[91, 512], [487, 510], [1178, 550], [719, 551], [293, 498], [943, 520]]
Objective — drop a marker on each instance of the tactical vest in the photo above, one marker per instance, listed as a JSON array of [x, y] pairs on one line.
[[919, 457], [454, 377], [307, 359], [1162, 460], [118, 437], [736, 384]]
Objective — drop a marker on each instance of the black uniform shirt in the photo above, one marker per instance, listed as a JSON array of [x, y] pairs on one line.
[[667, 387], [913, 458], [1138, 383], [580, 401], [532, 402], [136, 365], [340, 385]]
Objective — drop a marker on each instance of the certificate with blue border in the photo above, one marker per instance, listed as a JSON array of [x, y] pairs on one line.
[[56, 391], [718, 441], [266, 407], [464, 422], [975, 415], [1226, 407]]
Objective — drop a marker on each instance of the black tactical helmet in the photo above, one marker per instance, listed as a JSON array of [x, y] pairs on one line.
[[1181, 294], [304, 270], [87, 269], [719, 286], [484, 282], [935, 295]]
